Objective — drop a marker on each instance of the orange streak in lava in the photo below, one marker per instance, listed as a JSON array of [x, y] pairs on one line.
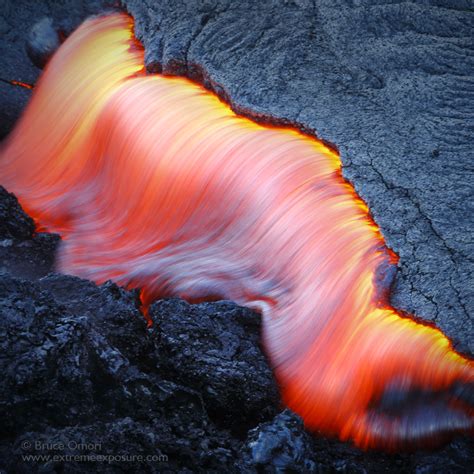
[[22, 84], [154, 183]]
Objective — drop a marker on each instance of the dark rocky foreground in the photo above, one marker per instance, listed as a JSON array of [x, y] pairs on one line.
[[84, 376], [390, 85]]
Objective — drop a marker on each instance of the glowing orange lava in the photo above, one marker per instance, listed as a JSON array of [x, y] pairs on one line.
[[25, 85], [154, 183], [22, 84]]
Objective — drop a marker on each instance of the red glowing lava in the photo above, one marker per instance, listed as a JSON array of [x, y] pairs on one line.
[[25, 85], [22, 84], [154, 183]]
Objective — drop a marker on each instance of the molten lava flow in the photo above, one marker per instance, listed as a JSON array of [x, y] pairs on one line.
[[154, 183], [19, 84]]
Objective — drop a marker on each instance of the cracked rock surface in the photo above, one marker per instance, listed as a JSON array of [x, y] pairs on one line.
[[390, 84]]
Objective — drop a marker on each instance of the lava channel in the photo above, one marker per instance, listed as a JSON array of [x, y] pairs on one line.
[[154, 183]]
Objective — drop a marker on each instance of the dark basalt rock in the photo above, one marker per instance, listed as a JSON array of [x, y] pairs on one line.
[[281, 445], [214, 347], [14, 223], [71, 373], [42, 42], [112, 309], [23, 252], [45, 364], [31, 258]]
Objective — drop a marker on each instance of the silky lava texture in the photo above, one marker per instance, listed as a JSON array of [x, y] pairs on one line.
[[154, 183]]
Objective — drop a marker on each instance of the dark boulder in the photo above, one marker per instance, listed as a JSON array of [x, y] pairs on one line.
[[14, 223], [214, 347], [23, 252], [42, 42], [281, 445]]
